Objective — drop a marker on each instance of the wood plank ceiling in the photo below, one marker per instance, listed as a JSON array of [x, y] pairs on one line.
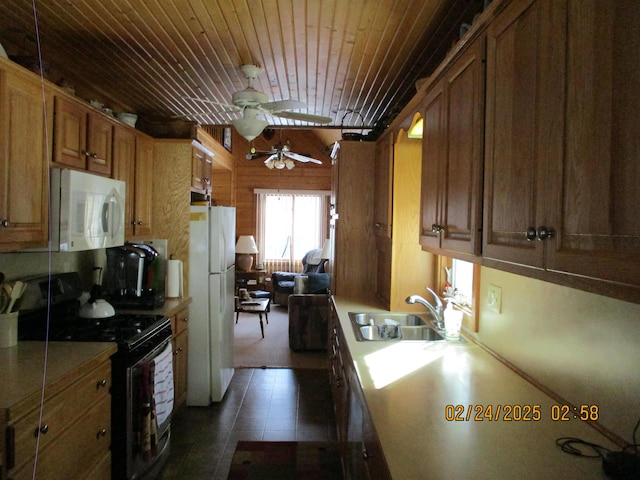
[[355, 61]]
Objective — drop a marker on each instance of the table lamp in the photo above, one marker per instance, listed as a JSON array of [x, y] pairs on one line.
[[245, 247]]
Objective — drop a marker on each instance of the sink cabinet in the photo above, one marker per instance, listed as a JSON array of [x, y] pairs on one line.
[[360, 449], [562, 174], [24, 153]]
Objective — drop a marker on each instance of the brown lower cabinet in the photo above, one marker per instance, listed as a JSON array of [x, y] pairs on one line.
[[73, 437], [179, 323], [360, 449]]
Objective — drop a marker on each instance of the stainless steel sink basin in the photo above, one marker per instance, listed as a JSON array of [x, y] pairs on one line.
[[404, 319], [392, 327]]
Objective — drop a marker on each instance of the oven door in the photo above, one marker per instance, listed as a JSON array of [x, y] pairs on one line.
[[150, 404]]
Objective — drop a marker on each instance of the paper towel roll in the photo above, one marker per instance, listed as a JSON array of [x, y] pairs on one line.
[[174, 279]]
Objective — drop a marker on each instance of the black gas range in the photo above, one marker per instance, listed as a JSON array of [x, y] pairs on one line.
[[49, 312]]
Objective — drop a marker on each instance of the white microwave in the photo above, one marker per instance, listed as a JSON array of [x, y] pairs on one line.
[[87, 211]]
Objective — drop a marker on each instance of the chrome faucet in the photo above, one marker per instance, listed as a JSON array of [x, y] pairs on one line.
[[436, 312]]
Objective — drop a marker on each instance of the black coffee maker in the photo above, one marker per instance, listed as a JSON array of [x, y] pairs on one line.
[[135, 277]]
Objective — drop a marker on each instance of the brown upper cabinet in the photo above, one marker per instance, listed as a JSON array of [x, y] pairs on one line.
[[562, 149], [82, 137], [201, 169], [383, 193], [132, 163], [452, 152], [24, 153]]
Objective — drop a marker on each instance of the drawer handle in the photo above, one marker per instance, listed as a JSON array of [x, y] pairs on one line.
[[42, 430], [101, 433], [102, 383]]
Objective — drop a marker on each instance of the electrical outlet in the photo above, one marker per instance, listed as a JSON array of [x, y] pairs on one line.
[[494, 298]]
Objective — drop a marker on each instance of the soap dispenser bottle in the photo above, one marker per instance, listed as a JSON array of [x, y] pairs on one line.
[[452, 321]]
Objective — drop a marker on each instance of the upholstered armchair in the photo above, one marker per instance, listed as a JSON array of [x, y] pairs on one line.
[[282, 282], [309, 312]]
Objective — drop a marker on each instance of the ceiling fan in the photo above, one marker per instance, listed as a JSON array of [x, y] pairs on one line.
[[252, 102], [280, 157]]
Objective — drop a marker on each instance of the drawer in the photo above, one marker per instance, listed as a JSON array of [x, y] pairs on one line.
[[80, 449], [58, 414], [180, 321]]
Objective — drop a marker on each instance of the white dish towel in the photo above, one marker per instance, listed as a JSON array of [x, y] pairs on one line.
[[163, 384]]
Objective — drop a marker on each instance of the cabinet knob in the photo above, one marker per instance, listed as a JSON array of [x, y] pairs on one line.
[[531, 233], [42, 430], [4, 223], [436, 228], [365, 454], [185, 319], [102, 383], [139, 222], [101, 433], [544, 233], [207, 181]]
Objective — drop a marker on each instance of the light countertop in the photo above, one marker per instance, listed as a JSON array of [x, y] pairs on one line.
[[408, 386], [23, 373]]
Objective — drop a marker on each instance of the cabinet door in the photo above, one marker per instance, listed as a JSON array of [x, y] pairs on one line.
[[434, 151], [124, 164], [461, 214], [513, 201], [70, 134], [383, 187], [99, 144], [24, 151], [180, 356], [201, 171], [143, 186], [597, 191]]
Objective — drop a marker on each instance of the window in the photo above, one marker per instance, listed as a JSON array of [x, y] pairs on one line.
[[290, 223], [462, 281]]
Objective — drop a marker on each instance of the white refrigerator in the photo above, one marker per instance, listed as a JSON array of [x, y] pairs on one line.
[[211, 288]]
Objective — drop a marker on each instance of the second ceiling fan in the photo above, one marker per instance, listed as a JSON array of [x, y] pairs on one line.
[[280, 156]]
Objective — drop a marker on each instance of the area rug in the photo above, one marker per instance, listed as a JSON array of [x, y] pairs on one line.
[[250, 350], [285, 461]]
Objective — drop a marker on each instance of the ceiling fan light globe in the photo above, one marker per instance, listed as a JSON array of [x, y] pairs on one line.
[[289, 164], [249, 126]]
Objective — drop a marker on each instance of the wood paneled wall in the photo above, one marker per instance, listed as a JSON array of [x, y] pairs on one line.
[[252, 174], [171, 198]]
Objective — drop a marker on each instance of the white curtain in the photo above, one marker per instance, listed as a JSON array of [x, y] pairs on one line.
[[290, 223]]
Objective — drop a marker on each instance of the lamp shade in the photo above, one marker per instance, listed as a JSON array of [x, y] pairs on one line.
[[246, 244], [326, 249]]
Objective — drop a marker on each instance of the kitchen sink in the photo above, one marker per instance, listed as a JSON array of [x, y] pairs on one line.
[[403, 319], [392, 327]]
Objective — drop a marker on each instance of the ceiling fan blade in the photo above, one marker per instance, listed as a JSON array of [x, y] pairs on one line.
[[272, 157], [258, 154], [283, 105], [226, 105], [304, 117], [301, 158]]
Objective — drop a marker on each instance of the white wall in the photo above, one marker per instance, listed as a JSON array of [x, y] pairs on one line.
[[582, 346]]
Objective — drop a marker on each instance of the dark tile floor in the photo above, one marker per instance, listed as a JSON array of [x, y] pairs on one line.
[[261, 404]]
